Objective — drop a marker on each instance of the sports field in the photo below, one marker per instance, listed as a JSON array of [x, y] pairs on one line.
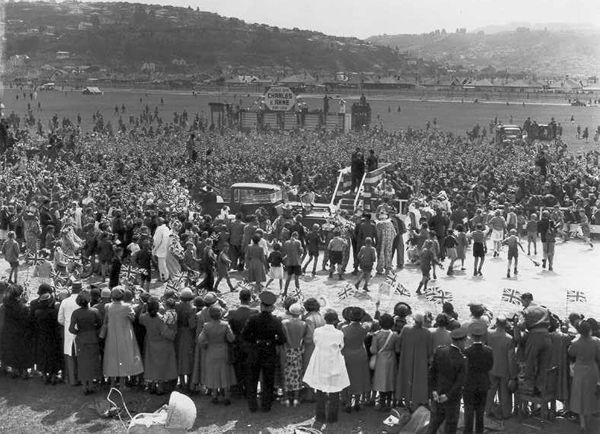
[[451, 116]]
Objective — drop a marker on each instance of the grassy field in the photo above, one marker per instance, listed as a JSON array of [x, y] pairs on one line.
[[451, 116]]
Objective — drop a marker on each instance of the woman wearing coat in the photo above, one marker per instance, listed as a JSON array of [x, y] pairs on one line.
[[586, 352], [215, 338], [355, 356], [184, 341], [313, 320], [85, 325], [49, 358], [159, 349], [383, 346], [326, 371], [16, 333], [256, 262], [121, 353]]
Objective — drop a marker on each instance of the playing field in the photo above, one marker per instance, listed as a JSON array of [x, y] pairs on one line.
[[451, 116]]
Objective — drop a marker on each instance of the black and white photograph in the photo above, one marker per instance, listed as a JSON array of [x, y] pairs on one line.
[[300, 217]]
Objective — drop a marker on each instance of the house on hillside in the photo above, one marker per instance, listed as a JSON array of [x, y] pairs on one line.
[[299, 82], [523, 86], [84, 25], [62, 55]]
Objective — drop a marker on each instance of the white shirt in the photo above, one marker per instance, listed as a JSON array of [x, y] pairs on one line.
[[161, 241], [65, 311]]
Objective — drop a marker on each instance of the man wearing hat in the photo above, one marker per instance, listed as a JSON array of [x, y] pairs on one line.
[[364, 229], [44, 288], [504, 368], [237, 320], [65, 311], [385, 242], [447, 377], [263, 332], [480, 360]]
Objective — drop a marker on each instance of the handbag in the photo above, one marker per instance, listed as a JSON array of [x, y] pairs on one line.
[[373, 359]]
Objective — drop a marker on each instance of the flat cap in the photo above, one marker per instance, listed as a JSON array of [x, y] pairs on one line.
[[209, 298], [477, 329]]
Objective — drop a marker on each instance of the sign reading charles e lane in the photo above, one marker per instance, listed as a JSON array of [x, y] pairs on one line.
[[280, 99]]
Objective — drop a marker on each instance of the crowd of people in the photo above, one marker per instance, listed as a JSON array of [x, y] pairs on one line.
[[102, 203]]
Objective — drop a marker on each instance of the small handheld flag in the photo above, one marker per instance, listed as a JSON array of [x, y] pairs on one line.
[[511, 296], [574, 296], [439, 296]]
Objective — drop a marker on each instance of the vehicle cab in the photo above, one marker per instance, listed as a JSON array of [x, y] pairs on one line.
[[509, 133]]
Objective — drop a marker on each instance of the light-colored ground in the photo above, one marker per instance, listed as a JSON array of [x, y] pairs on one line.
[[27, 407]]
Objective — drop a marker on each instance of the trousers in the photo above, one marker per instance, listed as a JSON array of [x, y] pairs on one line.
[[448, 412], [474, 408], [499, 385], [261, 361], [398, 250]]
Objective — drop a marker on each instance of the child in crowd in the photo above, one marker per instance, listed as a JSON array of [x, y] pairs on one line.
[[367, 256], [134, 246], [513, 252], [461, 246], [115, 267], [275, 261], [313, 240], [143, 259], [532, 234], [428, 260], [336, 253], [11, 252], [450, 244], [223, 265], [435, 248], [479, 249]]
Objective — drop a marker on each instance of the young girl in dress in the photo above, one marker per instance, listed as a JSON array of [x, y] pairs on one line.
[[275, 261], [428, 260], [461, 247]]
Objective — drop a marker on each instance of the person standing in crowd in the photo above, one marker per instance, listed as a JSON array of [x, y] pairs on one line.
[[236, 236], [160, 364], [85, 324], [326, 371], [357, 168], [292, 256], [585, 349], [336, 248], [447, 376], [372, 161], [297, 334], [383, 347], [480, 361], [275, 264], [11, 252], [479, 249], [263, 333], [414, 346], [398, 245], [121, 352], [255, 263], [356, 359], [216, 336], [513, 242], [364, 229], [237, 320], [428, 260], [313, 240], [504, 368], [314, 320], [547, 231], [15, 339], [48, 345], [367, 256], [65, 314], [385, 235], [498, 226], [535, 320], [160, 248], [223, 266], [184, 341], [532, 233]]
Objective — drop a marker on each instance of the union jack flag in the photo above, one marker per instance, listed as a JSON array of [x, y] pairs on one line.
[[401, 290], [298, 294], [576, 296], [33, 258], [439, 296], [346, 291], [511, 296], [175, 282], [128, 272]]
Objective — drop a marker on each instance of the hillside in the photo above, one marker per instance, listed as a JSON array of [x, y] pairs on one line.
[[542, 52], [122, 37]]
